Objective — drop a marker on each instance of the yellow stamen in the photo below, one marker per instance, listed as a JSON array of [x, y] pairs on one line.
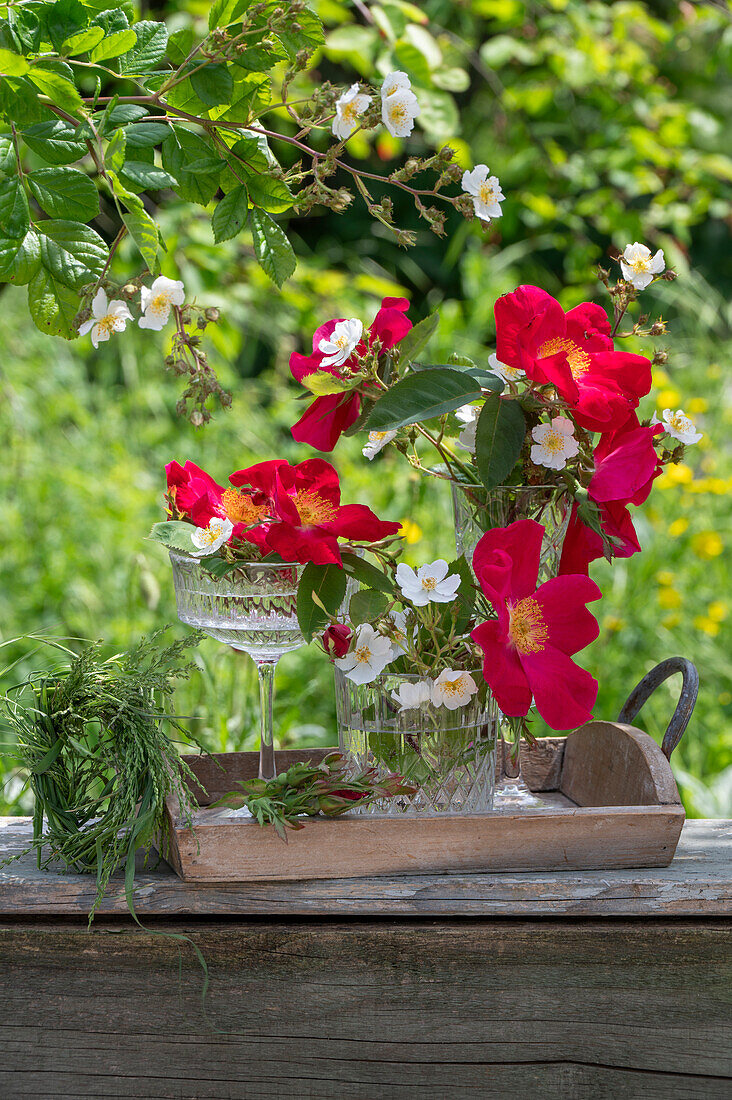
[[240, 508], [160, 303], [578, 359], [398, 112], [452, 687], [363, 654], [314, 509], [429, 583], [553, 441], [486, 192], [526, 627]]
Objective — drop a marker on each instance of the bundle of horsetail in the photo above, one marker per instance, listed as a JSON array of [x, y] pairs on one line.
[[97, 741]]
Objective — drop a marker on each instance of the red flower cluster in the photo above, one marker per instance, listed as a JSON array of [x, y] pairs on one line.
[[328, 417], [574, 353], [293, 511], [528, 648]]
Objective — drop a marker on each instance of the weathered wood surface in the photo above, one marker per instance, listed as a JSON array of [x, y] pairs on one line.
[[369, 1010], [616, 806], [697, 884]]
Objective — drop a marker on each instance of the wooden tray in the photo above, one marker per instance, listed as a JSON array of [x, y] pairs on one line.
[[612, 803]]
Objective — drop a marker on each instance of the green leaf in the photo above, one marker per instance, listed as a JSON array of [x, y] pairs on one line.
[[19, 259], [14, 214], [149, 48], [328, 583], [113, 20], [269, 193], [148, 176], [146, 134], [72, 252], [271, 247], [57, 142], [438, 115], [254, 152], [53, 305], [352, 39], [420, 396], [119, 114], [7, 154], [499, 437], [62, 93], [463, 605], [181, 148], [367, 606], [144, 233], [13, 64], [82, 41], [257, 59], [213, 84], [27, 30], [114, 45], [180, 44], [116, 150], [366, 573], [230, 214], [63, 19], [309, 35], [64, 193], [418, 337], [173, 533], [224, 12]]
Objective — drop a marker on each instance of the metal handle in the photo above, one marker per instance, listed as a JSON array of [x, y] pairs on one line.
[[684, 708]]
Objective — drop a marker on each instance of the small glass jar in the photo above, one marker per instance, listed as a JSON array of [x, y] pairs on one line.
[[449, 755]]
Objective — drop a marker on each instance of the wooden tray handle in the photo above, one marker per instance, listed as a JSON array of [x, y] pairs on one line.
[[684, 708]]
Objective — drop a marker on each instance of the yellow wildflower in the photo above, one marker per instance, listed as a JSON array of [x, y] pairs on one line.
[[678, 527], [668, 598], [697, 405], [410, 531], [717, 611], [665, 576], [707, 545], [667, 399], [612, 624], [708, 626], [676, 473]]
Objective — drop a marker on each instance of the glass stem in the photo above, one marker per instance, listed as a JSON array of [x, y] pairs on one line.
[[266, 670], [512, 759]]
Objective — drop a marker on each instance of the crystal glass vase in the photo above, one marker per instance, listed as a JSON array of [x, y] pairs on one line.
[[253, 609], [477, 510], [449, 755]]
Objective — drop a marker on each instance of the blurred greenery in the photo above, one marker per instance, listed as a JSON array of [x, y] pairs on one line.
[[604, 122]]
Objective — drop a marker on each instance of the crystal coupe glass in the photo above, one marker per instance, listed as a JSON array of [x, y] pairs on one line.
[[253, 609]]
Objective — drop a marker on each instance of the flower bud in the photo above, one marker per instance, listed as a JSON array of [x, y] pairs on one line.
[[212, 314], [337, 639]]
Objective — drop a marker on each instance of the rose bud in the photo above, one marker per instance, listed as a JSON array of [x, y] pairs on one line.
[[337, 639]]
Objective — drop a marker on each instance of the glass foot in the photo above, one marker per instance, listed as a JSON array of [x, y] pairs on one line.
[[513, 794]]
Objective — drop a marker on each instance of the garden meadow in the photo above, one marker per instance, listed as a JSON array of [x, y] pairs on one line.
[[604, 123]]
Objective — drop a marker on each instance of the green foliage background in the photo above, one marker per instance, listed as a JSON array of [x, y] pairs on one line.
[[605, 124]]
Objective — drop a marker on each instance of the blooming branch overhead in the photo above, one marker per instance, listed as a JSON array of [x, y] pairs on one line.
[[105, 121]]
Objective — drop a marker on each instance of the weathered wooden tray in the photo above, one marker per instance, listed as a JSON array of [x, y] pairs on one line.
[[612, 799]]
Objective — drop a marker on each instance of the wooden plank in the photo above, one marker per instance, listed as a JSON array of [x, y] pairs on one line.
[[375, 1010], [609, 764], [556, 839], [698, 883]]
